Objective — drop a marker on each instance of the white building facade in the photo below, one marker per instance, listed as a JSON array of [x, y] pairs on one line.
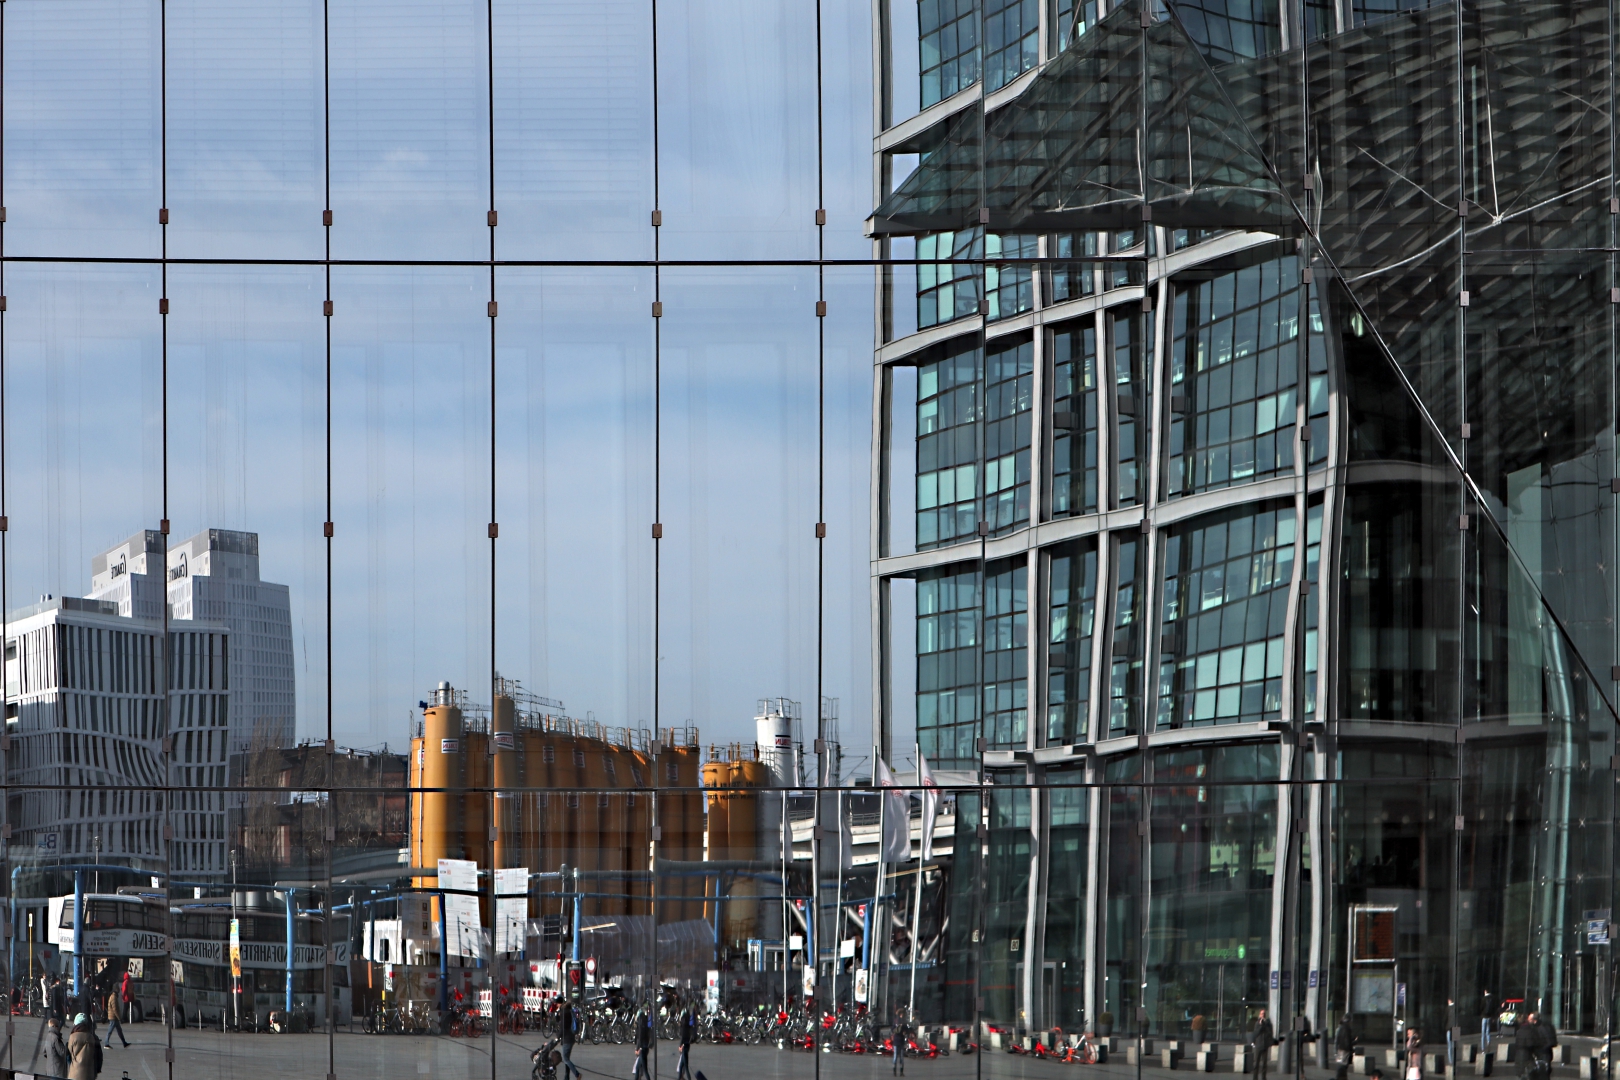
[[214, 575], [87, 766]]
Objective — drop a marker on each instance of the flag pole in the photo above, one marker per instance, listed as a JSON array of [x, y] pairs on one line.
[[877, 891], [838, 902], [916, 900]]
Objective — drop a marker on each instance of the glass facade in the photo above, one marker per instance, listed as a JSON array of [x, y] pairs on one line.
[[1066, 524], [1320, 528]]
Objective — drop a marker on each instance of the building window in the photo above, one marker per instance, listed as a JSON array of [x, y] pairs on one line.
[[1009, 287], [1012, 43], [948, 290], [948, 664], [947, 447], [1072, 596], [1071, 280], [1226, 584], [1069, 20], [1132, 404], [1009, 388], [1234, 377], [1125, 660], [948, 40], [1229, 30], [1074, 419], [1006, 637]]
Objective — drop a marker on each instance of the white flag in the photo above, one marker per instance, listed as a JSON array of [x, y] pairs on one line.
[[896, 817], [846, 836], [930, 806]]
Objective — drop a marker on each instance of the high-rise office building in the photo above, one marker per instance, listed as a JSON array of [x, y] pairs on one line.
[[1246, 501], [89, 708], [215, 576]]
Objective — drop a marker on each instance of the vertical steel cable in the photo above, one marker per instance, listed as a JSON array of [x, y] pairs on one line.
[[814, 915], [494, 526], [656, 218], [163, 527], [326, 311], [5, 629]]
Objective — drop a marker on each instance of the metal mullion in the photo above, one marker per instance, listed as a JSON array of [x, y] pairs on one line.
[[327, 529]]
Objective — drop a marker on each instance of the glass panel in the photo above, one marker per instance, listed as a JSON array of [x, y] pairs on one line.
[[737, 153], [739, 495], [1234, 375], [948, 659], [1225, 588], [1074, 419], [574, 449], [948, 39], [1072, 582], [1129, 559], [1132, 351], [83, 168], [245, 130], [573, 132], [948, 454], [410, 130]]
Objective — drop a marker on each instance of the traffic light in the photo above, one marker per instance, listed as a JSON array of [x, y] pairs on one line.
[[575, 982]]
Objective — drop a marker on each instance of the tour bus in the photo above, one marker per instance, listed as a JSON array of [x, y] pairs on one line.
[[125, 932]]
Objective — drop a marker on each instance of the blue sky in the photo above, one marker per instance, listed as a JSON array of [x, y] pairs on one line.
[[410, 176]]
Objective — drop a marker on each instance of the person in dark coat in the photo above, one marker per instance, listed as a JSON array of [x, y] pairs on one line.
[[58, 998], [687, 1033], [1262, 1038], [567, 1022], [1344, 1046], [1534, 1041], [644, 1038], [56, 1051]]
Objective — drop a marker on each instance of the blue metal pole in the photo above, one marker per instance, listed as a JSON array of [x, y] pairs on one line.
[[576, 913], [444, 959], [292, 914], [12, 958], [866, 937], [78, 932]]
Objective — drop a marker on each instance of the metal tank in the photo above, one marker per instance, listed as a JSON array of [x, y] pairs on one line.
[[508, 783], [436, 763]]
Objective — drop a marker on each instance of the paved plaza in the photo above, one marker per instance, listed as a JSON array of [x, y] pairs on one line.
[[202, 1055]]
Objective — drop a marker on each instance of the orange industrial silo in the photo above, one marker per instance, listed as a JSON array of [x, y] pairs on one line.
[[436, 786], [510, 846]]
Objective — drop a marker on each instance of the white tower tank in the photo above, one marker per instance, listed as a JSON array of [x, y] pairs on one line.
[[775, 737]]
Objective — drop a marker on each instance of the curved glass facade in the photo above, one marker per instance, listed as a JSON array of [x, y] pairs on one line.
[[1323, 576]]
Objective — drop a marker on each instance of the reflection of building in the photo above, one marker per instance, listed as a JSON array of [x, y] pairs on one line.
[[278, 828], [215, 575], [86, 765], [1263, 431]]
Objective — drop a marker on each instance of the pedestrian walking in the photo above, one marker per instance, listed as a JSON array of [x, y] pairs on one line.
[[58, 998], [84, 1050], [566, 1022], [1414, 1053], [1344, 1046], [644, 1038], [897, 1067], [113, 1023], [687, 1032], [1262, 1038]]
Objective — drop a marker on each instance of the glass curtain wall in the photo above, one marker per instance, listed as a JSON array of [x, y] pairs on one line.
[[1321, 578], [514, 528]]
